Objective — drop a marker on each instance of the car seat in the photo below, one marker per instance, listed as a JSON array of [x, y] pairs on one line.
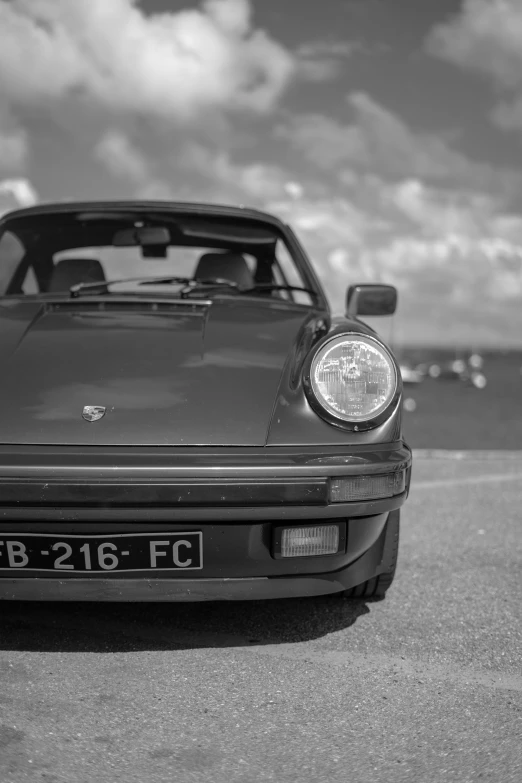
[[72, 271], [228, 266]]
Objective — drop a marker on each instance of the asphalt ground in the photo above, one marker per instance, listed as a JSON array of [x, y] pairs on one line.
[[425, 685]]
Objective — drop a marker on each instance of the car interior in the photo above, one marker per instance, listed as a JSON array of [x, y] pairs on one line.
[[46, 252]]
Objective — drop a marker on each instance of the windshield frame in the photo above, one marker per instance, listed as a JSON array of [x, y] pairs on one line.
[[177, 212]]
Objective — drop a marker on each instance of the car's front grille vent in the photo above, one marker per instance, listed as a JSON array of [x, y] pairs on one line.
[[119, 306]]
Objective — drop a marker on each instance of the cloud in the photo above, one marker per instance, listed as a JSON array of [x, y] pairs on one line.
[[16, 193], [14, 146], [159, 101], [112, 55], [122, 157], [378, 141], [322, 60], [188, 169], [486, 37], [324, 141], [454, 256], [439, 212], [253, 182], [13, 150], [448, 249]]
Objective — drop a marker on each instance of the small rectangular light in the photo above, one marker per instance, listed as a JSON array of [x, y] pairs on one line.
[[355, 488], [309, 541]]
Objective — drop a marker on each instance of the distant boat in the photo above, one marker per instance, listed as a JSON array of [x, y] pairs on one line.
[[467, 369], [411, 375]]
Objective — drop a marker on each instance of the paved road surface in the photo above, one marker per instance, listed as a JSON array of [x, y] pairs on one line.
[[423, 686]]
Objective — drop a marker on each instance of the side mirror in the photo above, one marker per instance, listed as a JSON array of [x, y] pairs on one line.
[[371, 299]]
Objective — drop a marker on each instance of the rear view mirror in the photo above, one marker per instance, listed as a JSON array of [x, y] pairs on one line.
[[142, 236], [153, 236], [154, 251], [126, 238], [371, 299]]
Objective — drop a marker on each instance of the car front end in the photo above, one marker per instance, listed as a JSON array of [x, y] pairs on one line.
[[228, 445], [255, 522]]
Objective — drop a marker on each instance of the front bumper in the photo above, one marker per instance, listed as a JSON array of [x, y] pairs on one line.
[[188, 484], [191, 590], [233, 495]]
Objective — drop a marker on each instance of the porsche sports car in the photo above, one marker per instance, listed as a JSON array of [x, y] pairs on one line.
[[181, 416]]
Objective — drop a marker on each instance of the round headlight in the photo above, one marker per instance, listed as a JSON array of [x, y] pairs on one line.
[[353, 378]]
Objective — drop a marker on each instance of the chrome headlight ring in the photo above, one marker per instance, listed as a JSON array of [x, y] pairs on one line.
[[352, 381]]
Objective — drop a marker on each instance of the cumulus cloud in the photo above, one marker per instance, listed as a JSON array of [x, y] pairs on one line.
[[441, 212], [116, 151], [323, 140], [172, 64], [373, 198], [446, 247], [192, 170], [14, 146], [253, 182], [323, 60], [451, 254], [15, 193], [13, 150], [378, 141], [486, 37]]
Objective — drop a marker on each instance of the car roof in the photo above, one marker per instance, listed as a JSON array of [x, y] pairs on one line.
[[217, 210]]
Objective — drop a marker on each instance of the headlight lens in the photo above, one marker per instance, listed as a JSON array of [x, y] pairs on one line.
[[354, 378]]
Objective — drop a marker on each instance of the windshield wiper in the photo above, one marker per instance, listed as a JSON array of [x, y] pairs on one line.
[[208, 283], [189, 286], [276, 287], [103, 286]]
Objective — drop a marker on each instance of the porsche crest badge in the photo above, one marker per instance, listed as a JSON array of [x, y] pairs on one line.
[[93, 412]]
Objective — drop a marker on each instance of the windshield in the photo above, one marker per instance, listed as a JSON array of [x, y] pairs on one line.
[[47, 255]]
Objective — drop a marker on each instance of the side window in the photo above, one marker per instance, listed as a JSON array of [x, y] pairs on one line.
[[287, 273], [30, 284], [11, 253]]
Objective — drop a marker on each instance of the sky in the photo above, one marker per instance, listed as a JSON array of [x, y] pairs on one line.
[[387, 132]]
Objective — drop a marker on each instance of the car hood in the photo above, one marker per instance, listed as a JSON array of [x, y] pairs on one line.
[[167, 373]]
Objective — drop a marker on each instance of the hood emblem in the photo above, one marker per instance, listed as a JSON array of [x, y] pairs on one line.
[[93, 412]]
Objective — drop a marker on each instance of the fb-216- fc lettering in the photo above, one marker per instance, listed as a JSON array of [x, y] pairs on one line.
[[139, 552]]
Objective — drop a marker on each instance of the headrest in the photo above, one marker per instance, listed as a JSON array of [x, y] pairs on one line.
[[72, 271], [229, 266]]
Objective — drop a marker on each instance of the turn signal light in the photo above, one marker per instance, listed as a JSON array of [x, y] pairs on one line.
[[355, 488]]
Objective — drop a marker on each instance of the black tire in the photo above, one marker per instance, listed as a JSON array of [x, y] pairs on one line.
[[378, 585]]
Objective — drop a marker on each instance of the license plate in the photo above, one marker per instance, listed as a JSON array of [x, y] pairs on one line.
[[81, 554]]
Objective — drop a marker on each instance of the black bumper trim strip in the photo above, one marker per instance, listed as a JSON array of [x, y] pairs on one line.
[[25, 493]]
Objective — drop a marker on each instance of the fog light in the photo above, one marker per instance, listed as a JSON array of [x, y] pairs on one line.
[[353, 488], [309, 541]]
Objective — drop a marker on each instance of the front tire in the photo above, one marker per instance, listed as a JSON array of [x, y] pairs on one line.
[[378, 585]]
